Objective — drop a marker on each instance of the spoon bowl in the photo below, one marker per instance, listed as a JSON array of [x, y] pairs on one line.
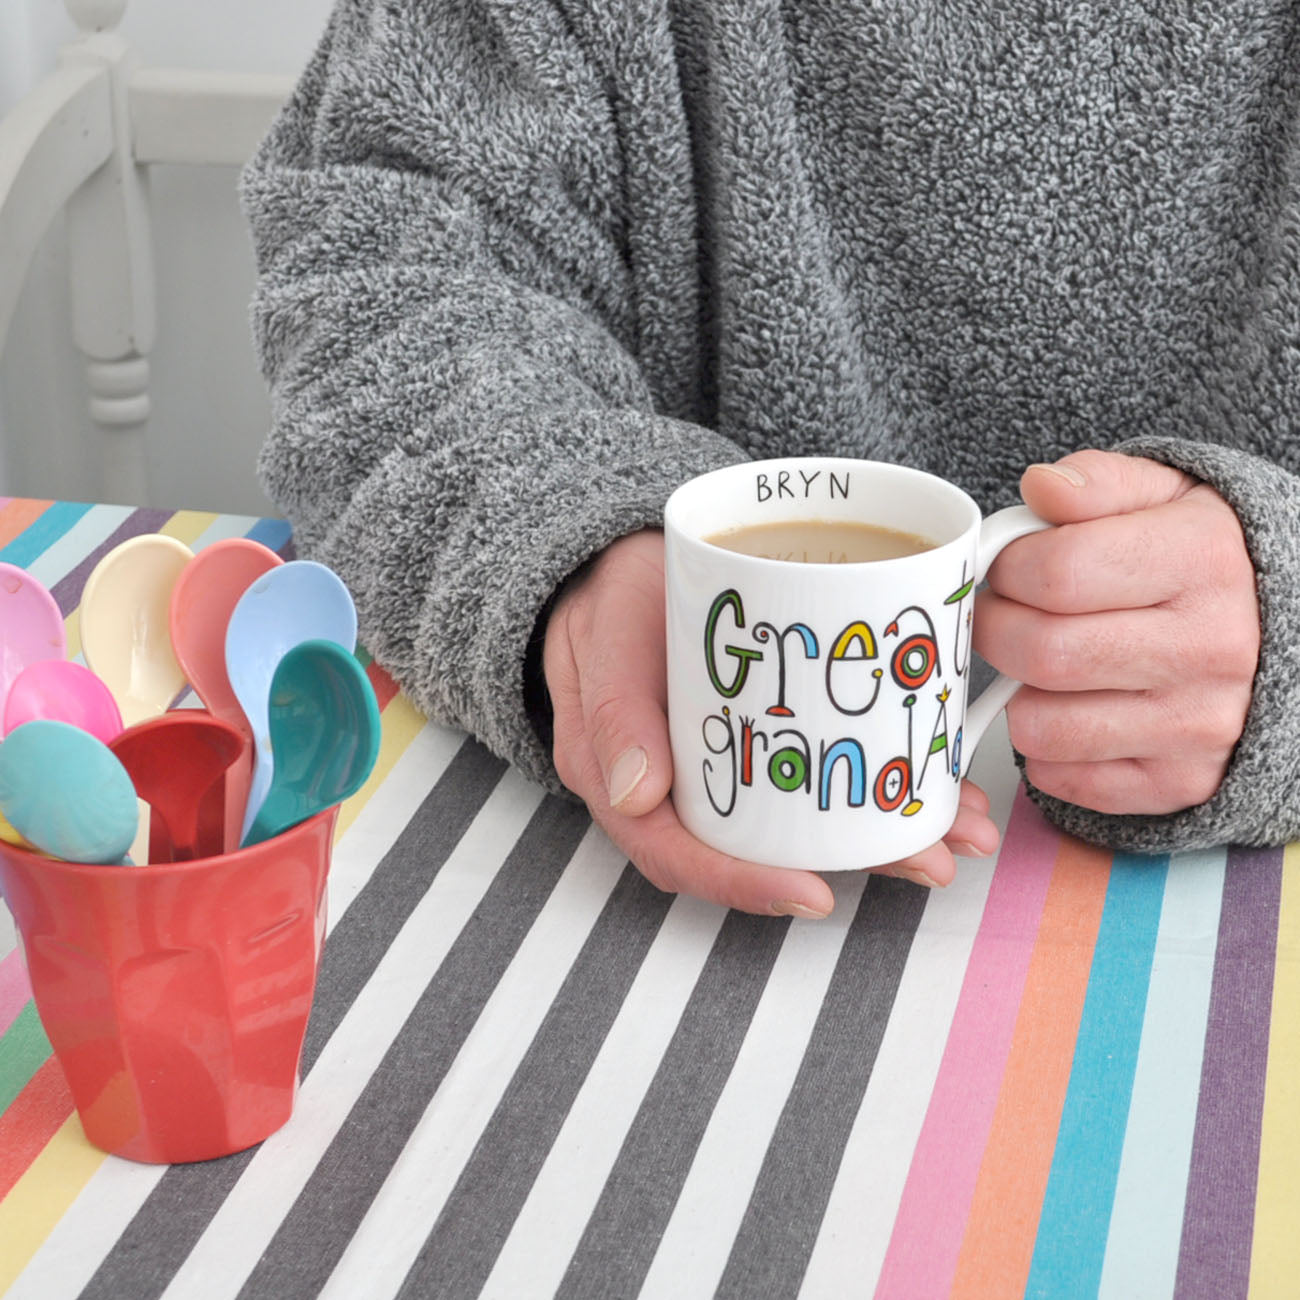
[[202, 601], [176, 763], [325, 730], [292, 603], [62, 691], [31, 626], [125, 631], [65, 793]]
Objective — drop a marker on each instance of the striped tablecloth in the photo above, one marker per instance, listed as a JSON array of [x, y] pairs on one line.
[[528, 1073]]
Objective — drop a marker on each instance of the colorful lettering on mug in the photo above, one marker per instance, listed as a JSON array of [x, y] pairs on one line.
[[838, 771]]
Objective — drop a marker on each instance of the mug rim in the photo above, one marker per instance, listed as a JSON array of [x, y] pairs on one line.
[[678, 500]]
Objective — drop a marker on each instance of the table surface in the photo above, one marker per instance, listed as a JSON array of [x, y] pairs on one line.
[[528, 1073]]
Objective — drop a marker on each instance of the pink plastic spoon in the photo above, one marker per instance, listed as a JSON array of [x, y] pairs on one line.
[[62, 691], [205, 594], [31, 626]]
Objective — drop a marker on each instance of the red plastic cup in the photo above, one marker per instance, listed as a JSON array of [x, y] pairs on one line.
[[176, 995]]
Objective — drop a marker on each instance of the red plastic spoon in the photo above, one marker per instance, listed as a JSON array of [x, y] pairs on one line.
[[177, 762]]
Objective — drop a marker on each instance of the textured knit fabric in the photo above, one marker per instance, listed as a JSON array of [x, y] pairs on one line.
[[526, 265]]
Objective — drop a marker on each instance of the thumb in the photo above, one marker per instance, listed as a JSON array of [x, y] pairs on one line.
[[1092, 484], [618, 645]]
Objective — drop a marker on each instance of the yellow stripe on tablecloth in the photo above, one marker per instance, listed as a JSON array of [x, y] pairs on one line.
[[39, 1199], [188, 525], [72, 632], [1275, 1250], [402, 722]]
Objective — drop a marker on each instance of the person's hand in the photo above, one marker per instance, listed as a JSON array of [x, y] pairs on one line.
[[604, 660], [1135, 628]]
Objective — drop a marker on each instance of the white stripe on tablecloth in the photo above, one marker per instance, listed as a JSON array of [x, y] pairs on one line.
[[247, 1221], [398, 1222], [859, 1217], [697, 1240], [569, 1183], [69, 1256], [1146, 1219]]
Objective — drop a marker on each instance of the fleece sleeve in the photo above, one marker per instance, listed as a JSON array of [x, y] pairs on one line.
[[1258, 801], [447, 317]]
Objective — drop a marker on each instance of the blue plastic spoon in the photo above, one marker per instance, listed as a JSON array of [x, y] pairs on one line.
[[292, 603], [324, 727], [65, 793]]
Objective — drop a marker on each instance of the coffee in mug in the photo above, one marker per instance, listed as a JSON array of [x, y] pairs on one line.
[[818, 710], [821, 541]]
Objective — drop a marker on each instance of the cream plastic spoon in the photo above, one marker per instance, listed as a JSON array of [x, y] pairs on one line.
[[125, 627]]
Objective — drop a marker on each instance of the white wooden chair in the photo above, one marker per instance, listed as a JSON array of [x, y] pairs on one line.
[[82, 143]]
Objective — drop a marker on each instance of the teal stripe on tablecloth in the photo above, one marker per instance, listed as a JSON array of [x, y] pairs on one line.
[[42, 532], [1076, 1212], [1146, 1222]]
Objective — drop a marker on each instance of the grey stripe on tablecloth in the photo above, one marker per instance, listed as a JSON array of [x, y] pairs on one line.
[[777, 1234], [314, 1234], [623, 1233], [467, 1237], [175, 1214]]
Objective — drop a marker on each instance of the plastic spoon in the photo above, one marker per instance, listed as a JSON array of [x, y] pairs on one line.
[[125, 633], [62, 691], [65, 793], [324, 727], [31, 627], [202, 602], [296, 602], [177, 762]]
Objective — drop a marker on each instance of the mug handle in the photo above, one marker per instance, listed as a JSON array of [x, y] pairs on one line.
[[1000, 529]]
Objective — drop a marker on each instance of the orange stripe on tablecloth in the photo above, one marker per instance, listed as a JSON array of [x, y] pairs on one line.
[[33, 1118], [18, 516], [998, 1244]]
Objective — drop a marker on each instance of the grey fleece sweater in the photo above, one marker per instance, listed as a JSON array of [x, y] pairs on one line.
[[526, 265]]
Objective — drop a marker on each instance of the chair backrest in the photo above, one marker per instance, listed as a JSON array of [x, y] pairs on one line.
[[81, 144]]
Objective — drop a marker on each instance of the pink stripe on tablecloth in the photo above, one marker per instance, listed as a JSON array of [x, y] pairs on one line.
[[935, 1205], [15, 989]]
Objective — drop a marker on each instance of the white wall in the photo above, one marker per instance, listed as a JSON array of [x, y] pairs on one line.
[[209, 406]]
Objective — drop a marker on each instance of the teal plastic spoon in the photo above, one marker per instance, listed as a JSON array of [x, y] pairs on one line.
[[65, 793], [324, 731]]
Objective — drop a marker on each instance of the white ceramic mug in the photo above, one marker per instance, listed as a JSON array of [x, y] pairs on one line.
[[818, 712]]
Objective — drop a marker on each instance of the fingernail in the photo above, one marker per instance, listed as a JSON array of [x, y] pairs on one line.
[[965, 849], [784, 907], [625, 774], [1067, 472], [918, 877]]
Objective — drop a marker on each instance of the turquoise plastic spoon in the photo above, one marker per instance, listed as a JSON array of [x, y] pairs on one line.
[[65, 793], [324, 730]]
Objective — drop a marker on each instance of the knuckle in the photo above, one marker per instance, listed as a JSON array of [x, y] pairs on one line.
[[1025, 726], [1187, 785], [1049, 658], [1060, 572], [604, 715]]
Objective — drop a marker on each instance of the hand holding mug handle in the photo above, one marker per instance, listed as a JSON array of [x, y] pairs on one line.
[[997, 532]]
